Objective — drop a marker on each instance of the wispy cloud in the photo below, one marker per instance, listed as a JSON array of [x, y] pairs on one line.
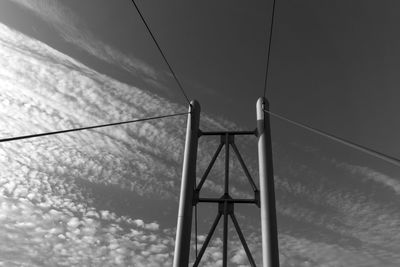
[[57, 92], [338, 209], [73, 30], [51, 188], [369, 174]]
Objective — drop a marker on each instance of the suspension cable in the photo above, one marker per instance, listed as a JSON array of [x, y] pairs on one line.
[[9, 139], [367, 150], [161, 52], [271, 30]]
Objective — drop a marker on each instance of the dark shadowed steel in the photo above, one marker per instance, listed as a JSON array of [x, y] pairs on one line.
[[241, 237], [246, 171], [208, 238], [226, 196], [226, 202], [270, 250], [184, 224], [203, 179], [190, 193], [229, 132]]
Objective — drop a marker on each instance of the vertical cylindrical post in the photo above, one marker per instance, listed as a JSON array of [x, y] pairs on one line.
[[184, 224], [226, 194], [225, 236], [226, 187], [269, 231]]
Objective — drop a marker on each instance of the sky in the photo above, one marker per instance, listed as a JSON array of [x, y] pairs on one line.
[[109, 197]]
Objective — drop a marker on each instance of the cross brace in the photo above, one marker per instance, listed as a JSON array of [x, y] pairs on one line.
[[226, 202], [264, 198]]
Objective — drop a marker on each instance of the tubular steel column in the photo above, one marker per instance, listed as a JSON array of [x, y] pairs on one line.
[[226, 195], [184, 225], [269, 231], [226, 203]]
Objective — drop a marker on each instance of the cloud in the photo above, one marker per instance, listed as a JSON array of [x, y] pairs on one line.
[[58, 192], [370, 174], [240, 257], [337, 208], [66, 237], [51, 188], [73, 30], [48, 93]]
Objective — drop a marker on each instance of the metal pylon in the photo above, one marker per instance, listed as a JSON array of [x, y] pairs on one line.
[[263, 198], [226, 202]]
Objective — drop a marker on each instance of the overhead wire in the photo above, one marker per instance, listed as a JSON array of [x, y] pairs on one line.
[[161, 52], [367, 150], [15, 138], [343, 141], [271, 30]]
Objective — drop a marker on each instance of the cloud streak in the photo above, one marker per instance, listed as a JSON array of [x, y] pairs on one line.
[[73, 30], [56, 192], [50, 187]]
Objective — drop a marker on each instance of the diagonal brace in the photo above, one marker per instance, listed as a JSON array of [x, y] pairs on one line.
[[203, 179], [210, 234], [246, 171], [241, 237]]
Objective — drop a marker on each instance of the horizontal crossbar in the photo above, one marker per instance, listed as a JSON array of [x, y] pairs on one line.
[[230, 200], [254, 132]]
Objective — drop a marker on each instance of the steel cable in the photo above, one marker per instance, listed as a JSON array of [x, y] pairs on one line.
[[9, 139], [161, 52], [341, 140], [269, 48]]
